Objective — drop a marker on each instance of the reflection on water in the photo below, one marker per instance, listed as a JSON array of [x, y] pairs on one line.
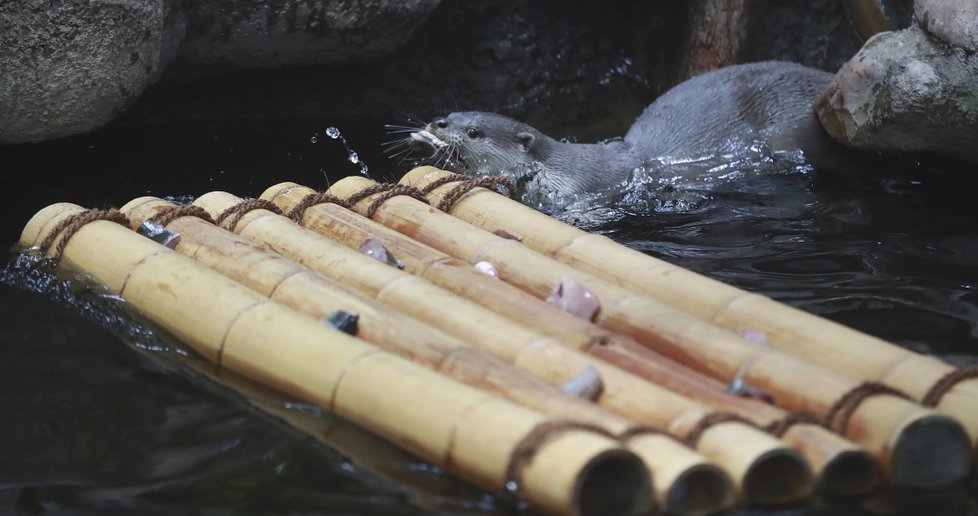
[[98, 421]]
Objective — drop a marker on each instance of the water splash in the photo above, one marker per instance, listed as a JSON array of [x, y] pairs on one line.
[[351, 155]]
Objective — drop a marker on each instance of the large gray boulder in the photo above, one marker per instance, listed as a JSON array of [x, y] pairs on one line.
[[911, 90], [70, 67], [277, 33]]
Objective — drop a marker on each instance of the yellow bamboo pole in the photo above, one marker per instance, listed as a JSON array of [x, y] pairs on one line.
[[822, 448], [558, 468], [747, 464], [819, 340], [891, 427], [682, 477]]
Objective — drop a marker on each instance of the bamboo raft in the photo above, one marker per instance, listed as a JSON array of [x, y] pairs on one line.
[[469, 370]]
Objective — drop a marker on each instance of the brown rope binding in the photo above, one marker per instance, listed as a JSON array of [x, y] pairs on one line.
[[531, 442], [297, 212], [234, 213], [637, 430], [946, 383], [442, 181], [837, 417], [70, 225], [492, 183], [387, 190], [168, 215], [714, 418], [780, 426]]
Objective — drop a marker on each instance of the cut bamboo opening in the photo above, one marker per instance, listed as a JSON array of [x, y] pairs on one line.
[[561, 468], [889, 426], [680, 475], [542, 356], [820, 446], [819, 340]]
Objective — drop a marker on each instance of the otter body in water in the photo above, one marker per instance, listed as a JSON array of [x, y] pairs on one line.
[[768, 102]]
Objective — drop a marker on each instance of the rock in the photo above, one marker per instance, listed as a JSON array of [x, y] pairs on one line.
[[70, 67], [277, 33], [953, 21], [905, 91]]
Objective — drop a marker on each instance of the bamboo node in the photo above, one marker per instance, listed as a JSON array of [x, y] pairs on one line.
[[387, 190], [171, 213], [713, 418], [527, 447], [946, 383], [70, 225], [234, 213], [780, 426], [837, 417], [311, 200]]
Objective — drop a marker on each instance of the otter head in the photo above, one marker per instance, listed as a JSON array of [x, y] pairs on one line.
[[479, 143]]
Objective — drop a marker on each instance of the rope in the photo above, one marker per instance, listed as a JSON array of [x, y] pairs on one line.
[[234, 213], [70, 225]]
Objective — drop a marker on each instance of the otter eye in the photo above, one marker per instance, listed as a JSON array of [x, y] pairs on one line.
[[473, 133]]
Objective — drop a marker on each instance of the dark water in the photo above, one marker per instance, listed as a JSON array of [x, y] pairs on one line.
[[102, 417]]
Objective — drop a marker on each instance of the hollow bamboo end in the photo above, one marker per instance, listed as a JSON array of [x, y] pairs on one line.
[[849, 473], [931, 451], [703, 489], [614, 482], [779, 476]]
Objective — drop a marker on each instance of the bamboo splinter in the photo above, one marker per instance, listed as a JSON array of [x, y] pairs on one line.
[[448, 423], [819, 340], [685, 481], [889, 426]]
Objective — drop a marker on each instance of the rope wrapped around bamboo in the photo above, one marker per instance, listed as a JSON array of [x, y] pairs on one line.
[[842, 466], [685, 481], [819, 340], [465, 430], [764, 470], [894, 429]]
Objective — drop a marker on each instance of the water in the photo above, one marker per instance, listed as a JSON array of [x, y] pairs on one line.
[[101, 415]]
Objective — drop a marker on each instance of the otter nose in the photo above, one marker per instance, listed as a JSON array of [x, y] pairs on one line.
[[440, 122]]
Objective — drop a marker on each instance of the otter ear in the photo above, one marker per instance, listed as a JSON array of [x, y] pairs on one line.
[[526, 140]]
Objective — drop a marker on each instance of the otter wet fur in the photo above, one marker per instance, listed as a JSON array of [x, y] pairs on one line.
[[769, 102]]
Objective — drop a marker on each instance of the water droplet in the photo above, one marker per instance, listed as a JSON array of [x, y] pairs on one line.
[[314, 139], [332, 132], [354, 158]]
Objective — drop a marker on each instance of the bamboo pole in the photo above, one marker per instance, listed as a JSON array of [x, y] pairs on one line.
[[894, 429], [450, 424], [681, 476], [748, 464], [823, 449], [819, 340]]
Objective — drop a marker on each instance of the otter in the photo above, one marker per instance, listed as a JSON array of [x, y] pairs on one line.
[[771, 102]]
